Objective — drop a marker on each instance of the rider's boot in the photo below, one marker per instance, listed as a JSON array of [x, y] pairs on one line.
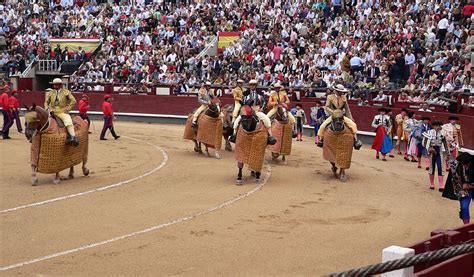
[[233, 138], [271, 140], [75, 141], [320, 142], [194, 124], [72, 139]]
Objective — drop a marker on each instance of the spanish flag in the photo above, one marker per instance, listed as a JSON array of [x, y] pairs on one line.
[[226, 38]]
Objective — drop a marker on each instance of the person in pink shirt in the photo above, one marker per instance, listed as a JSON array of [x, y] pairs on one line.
[[277, 52]]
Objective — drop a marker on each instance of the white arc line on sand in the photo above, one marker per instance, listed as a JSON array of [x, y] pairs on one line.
[[161, 165], [147, 230]]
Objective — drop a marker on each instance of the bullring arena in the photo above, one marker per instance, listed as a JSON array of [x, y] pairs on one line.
[[369, 105], [153, 206]]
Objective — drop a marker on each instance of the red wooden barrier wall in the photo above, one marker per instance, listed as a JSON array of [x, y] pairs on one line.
[[182, 105], [462, 265], [25, 83]]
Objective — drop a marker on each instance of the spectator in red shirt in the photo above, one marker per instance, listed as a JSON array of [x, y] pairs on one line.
[[108, 118], [7, 116], [468, 10], [84, 108], [15, 110]]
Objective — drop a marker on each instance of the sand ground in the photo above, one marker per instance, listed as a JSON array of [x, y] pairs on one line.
[[301, 222]]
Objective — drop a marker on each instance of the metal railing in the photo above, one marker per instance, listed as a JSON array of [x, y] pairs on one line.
[[29, 67], [208, 47], [91, 24], [48, 65]]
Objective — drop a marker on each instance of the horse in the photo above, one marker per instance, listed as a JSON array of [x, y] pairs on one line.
[[228, 129], [49, 152], [283, 131], [251, 142], [337, 147], [212, 135]]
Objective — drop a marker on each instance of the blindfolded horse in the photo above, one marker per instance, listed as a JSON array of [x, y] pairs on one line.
[[337, 146], [209, 130], [251, 142], [282, 129], [49, 152]]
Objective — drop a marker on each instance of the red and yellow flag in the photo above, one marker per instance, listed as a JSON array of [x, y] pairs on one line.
[[226, 38]]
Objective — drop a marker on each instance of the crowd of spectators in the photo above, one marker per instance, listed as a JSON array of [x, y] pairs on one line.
[[421, 47], [152, 43], [415, 46], [27, 25]]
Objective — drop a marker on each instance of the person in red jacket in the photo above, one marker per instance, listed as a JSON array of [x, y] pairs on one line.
[[468, 10], [108, 118], [15, 110], [84, 108], [7, 115]]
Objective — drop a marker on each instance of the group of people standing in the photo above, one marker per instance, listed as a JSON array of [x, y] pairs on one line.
[[107, 111], [437, 143], [422, 139], [59, 101], [10, 111]]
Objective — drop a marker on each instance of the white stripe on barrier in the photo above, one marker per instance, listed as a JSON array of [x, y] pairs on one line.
[[139, 115], [161, 165]]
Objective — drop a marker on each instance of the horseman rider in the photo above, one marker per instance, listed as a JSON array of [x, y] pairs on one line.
[[205, 95], [338, 101], [60, 101], [255, 99], [278, 97], [335, 115], [238, 93]]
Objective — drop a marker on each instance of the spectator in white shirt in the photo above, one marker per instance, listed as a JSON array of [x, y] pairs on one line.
[[98, 87], [409, 58], [470, 104], [356, 64], [381, 97], [446, 86], [436, 65], [425, 108], [279, 67], [443, 25]]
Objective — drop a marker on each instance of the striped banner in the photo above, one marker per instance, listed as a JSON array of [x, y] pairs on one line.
[[89, 45], [226, 38]]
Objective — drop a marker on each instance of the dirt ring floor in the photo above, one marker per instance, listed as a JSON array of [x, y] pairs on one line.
[[195, 221]]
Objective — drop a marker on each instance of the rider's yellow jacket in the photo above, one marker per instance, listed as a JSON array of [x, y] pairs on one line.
[[59, 101], [276, 97]]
